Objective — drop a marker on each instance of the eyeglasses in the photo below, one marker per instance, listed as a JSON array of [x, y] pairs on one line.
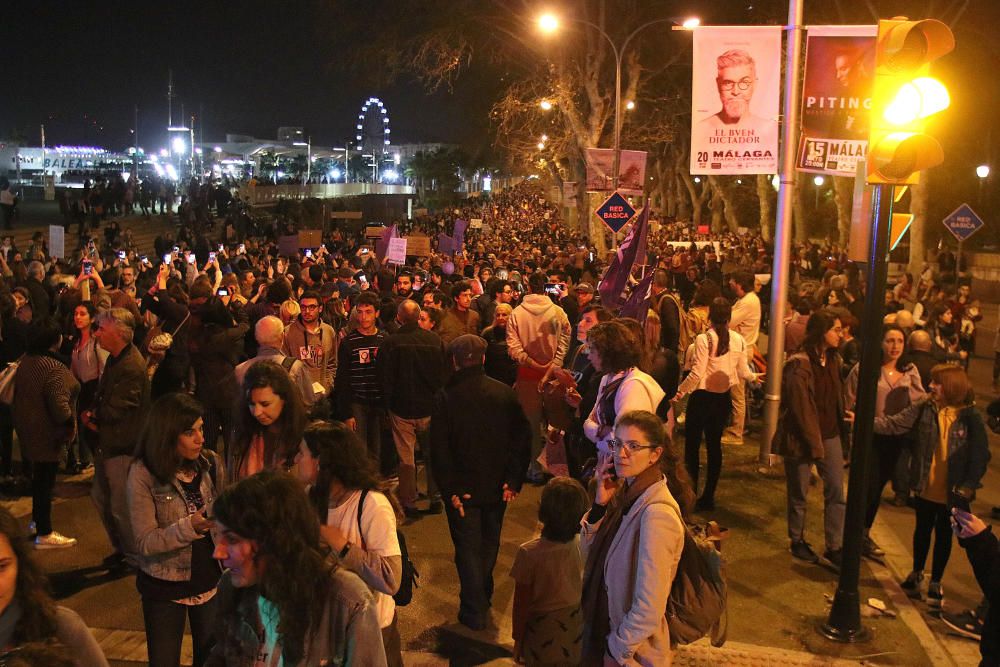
[[727, 85], [627, 446]]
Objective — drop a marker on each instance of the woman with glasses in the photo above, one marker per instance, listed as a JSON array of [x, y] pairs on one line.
[[616, 352], [809, 432], [720, 361], [631, 540], [269, 422]]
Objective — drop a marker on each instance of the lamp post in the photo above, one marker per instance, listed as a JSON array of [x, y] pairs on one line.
[[818, 181], [548, 23], [983, 172]]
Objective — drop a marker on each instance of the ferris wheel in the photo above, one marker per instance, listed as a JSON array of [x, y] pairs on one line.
[[373, 133]]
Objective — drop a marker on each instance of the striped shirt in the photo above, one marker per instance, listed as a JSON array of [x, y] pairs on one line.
[[357, 380]]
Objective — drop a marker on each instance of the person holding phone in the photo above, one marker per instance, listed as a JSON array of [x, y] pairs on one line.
[[983, 550], [171, 485], [949, 460], [631, 541]]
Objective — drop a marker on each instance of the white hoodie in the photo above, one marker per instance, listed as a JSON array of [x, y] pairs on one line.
[[538, 329], [638, 391]]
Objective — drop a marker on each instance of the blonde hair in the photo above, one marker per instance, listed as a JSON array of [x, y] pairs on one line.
[[289, 310]]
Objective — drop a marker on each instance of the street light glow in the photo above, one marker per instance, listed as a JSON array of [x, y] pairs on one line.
[[630, 105], [334, 173], [819, 180], [548, 23], [217, 149], [691, 23], [983, 171], [545, 105], [541, 145], [545, 137], [179, 145]]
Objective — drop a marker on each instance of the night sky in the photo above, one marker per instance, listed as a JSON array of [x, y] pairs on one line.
[[81, 68]]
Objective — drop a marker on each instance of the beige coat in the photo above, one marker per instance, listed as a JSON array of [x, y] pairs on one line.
[[638, 573]]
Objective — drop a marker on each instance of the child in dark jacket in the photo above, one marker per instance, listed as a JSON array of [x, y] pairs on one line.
[[983, 549]]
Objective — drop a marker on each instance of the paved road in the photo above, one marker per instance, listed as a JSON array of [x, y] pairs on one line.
[[774, 601]]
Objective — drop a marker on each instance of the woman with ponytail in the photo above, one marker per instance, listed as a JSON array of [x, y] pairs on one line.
[[720, 361]]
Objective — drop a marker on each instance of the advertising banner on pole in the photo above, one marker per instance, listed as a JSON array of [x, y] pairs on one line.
[[734, 100], [600, 167], [836, 98]]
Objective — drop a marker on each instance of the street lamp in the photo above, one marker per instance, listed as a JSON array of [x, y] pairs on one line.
[[983, 172], [818, 181], [549, 23], [545, 105]]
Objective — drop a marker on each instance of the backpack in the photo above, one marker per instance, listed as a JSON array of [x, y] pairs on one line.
[[408, 580], [688, 325], [697, 603]]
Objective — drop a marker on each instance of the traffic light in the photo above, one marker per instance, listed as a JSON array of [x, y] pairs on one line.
[[903, 97]]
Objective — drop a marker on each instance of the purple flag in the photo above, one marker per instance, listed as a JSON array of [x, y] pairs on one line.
[[635, 306], [616, 276], [446, 244], [459, 235], [382, 245]]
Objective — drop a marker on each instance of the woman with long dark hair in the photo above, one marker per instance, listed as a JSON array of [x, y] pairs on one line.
[[171, 484], [357, 516], [631, 540], [28, 615], [898, 386], [87, 362], [300, 607], [720, 361], [810, 426], [269, 422]]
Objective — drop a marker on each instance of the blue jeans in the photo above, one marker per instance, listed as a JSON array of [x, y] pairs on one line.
[[831, 470], [164, 621], [476, 537]]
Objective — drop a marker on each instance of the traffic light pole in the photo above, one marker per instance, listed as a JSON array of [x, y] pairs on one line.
[[844, 623]]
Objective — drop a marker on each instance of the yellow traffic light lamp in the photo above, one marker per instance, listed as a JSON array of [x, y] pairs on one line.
[[904, 97]]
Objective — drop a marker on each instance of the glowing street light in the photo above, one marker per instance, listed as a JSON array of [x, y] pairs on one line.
[[983, 171], [545, 105], [548, 23], [630, 105], [541, 145], [691, 23], [179, 146], [819, 181]]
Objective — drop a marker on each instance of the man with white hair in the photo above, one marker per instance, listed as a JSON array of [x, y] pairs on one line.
[[269, 333], [40, 299], [121, 404]]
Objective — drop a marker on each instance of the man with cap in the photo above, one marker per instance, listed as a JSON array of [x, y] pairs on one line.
[[480, 444]]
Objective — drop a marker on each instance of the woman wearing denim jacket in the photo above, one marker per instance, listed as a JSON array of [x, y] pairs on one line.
[[949, 460], [171, 485]]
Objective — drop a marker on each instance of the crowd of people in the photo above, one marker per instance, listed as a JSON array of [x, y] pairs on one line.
[[261, 423]]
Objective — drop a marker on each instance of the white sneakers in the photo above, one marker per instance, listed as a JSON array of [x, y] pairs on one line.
[[54, 540]]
